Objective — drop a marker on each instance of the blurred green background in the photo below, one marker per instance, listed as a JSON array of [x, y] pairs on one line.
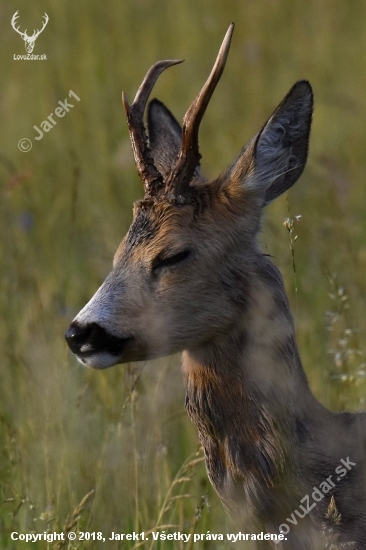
[[66, 204]]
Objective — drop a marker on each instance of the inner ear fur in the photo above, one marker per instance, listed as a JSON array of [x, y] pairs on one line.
[[275, 158]]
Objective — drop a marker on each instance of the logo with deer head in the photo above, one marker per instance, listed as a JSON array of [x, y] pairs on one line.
[[29, 41]]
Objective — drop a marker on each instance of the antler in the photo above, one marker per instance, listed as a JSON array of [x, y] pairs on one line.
[[149, 174], [13, 21], [38, 32], [189, 155], [24, 35]]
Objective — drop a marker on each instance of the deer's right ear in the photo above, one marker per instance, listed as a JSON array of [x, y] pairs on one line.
[[165, 135], [274, 160]]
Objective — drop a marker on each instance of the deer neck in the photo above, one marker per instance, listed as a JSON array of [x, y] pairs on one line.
[[247, 391]]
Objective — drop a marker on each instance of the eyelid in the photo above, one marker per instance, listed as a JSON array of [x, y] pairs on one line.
[[171, 259]]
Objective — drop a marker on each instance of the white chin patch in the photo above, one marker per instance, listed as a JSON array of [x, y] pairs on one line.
[[102, 360]]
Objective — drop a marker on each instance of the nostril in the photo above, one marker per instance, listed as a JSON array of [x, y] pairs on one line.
[[76, 336], [91, 339]]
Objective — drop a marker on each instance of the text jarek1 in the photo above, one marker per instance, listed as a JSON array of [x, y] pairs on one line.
[[47, 124]]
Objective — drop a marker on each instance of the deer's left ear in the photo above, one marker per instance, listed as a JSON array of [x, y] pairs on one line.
[[165, 136], [275, 158]]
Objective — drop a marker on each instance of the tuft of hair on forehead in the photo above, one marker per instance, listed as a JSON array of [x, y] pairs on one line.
[[153, 215], [144, 227]]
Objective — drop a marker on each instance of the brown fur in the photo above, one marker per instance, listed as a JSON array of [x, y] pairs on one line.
[[190, 276]]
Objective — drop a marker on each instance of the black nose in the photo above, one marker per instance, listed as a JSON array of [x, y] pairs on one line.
[[90, 339], [77, 336]]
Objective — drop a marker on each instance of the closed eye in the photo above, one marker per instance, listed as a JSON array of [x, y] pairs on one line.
[[161, 261]]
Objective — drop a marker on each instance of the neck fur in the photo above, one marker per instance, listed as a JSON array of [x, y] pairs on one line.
[[248, 395]]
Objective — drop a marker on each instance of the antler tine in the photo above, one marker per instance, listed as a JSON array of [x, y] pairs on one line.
[[14, 21], [189, 155], [15, 17], [37, 32], [142, 95], [149, 174]]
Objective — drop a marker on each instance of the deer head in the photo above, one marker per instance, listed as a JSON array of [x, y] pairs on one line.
[[179, 275], [29, 40]]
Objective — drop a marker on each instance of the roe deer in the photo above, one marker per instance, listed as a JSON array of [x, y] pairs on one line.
[[189, 276]]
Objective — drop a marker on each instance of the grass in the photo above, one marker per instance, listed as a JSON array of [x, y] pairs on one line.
[[110, 451]]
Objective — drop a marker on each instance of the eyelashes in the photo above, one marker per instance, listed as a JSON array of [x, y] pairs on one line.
[[169, 261]]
